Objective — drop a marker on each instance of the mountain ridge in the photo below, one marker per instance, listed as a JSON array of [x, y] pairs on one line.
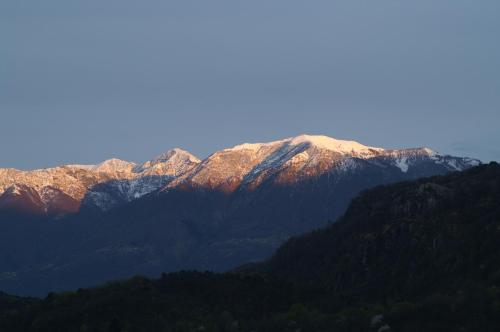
[[226, 169], [76, 182]]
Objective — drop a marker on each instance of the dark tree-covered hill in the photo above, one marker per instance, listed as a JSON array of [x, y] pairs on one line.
[[404, 239]]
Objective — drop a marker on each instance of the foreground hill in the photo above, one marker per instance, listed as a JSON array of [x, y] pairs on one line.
[[415, 256], [400, 240]]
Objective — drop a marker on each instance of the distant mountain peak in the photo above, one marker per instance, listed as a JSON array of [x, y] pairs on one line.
[[113, 165], [177, 154], [332, 144], [317, 141], [173, 162]]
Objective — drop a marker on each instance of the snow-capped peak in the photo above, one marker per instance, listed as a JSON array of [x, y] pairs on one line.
[[171, 163], [332, 144], [175, 154], [317, 141], [113, 165]]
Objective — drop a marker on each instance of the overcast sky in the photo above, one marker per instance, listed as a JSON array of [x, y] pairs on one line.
[[83, 81]]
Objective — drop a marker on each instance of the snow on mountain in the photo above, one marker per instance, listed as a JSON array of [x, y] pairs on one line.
[[350, 148], [173, 163], [139, 180], [114, 166], [242, 167], [405, 158], [305, 156], [318, 141], [251, 162], [105, 185]]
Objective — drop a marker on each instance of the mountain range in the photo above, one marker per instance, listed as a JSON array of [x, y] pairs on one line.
[[74, 226], [69, 188], [413, 256], [66, 189]]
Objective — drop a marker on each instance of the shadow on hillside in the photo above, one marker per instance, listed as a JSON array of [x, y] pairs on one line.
[[114, 193]]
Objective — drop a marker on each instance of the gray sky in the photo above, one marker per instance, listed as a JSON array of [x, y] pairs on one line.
[[82, 81]]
